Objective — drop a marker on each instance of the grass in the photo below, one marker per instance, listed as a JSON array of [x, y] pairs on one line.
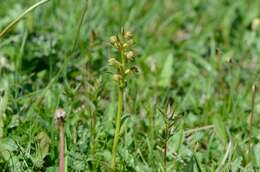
[[199, 57]]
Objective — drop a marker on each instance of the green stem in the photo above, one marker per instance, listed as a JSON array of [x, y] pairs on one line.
[[93, 131], [82, 16], [118, 125], [165, 147], [251, 118], [9, 27]]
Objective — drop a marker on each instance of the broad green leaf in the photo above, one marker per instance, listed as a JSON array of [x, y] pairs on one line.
[[7, 146], [256, 152], [189, 167], [52, 169], [14, 122], [220, 128], [167, 71], [3, 106], [177, 140], [43, 148]]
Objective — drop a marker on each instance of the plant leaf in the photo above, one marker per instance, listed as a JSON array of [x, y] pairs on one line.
[[220, 128], [167, 71]]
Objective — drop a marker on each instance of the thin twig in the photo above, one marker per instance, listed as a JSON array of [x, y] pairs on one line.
[[61, 163], [194, 130], [225, 157], [60, 116]]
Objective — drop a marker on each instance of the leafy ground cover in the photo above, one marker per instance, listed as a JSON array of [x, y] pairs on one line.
[[188, 108]]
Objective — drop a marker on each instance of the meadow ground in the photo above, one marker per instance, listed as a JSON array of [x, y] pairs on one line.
[[198, 58]]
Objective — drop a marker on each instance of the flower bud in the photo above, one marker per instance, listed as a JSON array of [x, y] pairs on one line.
[[128, 34], [131, 70], [113, 39], [113, 61], [134, 69], [255, 24], [128, 71], [117, 77], [129, 55], [125, 45], [130, 42]]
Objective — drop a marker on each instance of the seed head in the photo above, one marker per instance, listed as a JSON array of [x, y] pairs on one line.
[[60, 114]]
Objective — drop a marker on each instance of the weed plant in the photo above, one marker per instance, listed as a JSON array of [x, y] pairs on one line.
[[123, 44], [200, 56]]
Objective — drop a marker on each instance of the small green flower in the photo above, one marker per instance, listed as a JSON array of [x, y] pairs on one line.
[[123, 64], [129, 55], [113, 39], [113, 61], [117, 77]]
